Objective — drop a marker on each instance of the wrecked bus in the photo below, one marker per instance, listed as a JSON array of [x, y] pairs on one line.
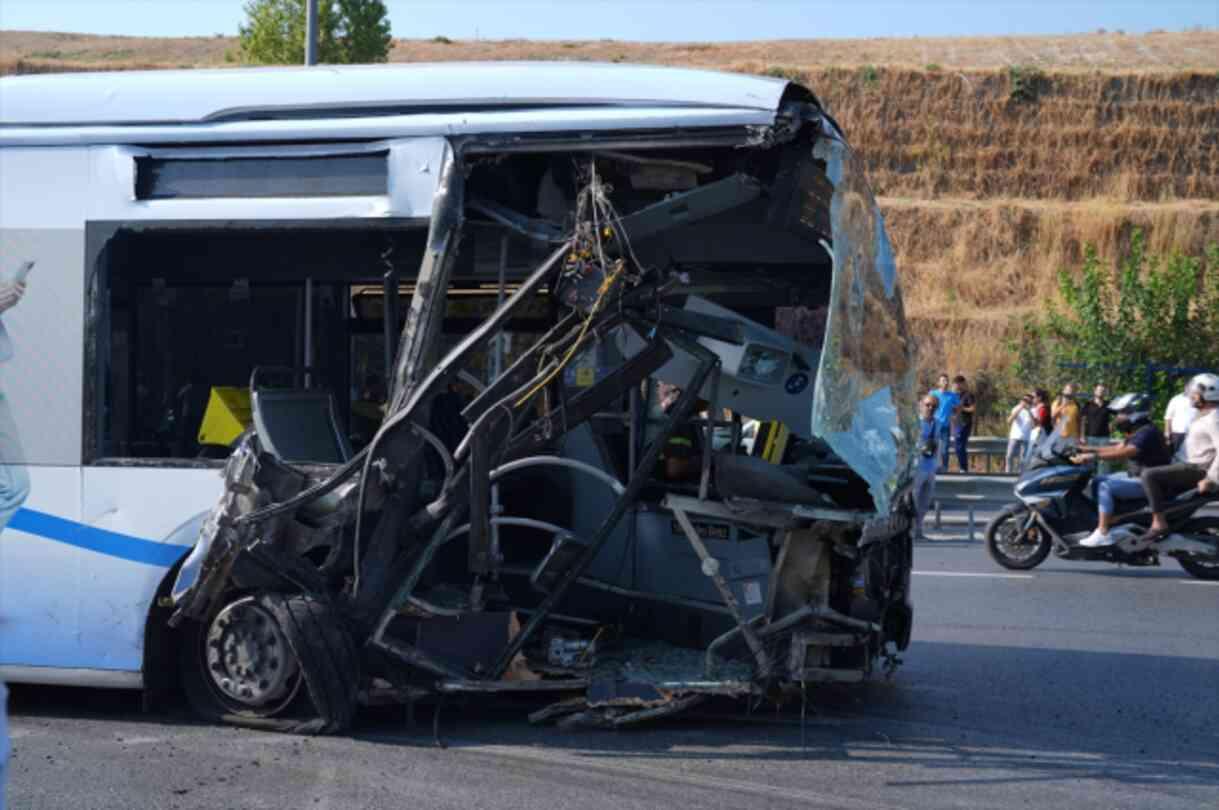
[[341, 385]]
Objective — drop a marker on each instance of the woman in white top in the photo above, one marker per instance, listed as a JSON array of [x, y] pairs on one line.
[[1022, 423]]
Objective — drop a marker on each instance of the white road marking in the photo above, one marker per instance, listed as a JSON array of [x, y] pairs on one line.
[[1200, 581], [971, 574], [701, 780]]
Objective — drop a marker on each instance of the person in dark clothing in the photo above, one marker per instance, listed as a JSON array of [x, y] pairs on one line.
[[1143, 448], [965, 422], [928, 461], [1096, 417]]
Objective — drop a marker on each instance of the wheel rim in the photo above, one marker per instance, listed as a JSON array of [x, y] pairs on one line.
[[1016, 542], [248, 659]]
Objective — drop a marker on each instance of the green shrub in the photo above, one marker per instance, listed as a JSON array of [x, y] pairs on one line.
[[1027, 84], [1116, 321]]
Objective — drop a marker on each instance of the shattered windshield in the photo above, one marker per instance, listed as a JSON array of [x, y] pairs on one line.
[[865, 403]]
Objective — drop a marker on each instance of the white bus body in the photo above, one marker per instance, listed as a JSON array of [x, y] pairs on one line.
[[94, 536]]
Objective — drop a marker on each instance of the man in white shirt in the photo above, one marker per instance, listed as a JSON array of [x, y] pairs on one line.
[[1179, 415], [14, 480], [1201, 463], [1022, 423]]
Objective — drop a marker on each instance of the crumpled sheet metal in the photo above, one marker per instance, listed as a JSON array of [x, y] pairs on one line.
[[864, 405]]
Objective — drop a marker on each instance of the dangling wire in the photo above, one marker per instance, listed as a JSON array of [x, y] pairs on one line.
[[588, 252]]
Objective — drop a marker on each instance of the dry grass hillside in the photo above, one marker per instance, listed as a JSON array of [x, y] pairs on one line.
[[996, 158], [1165, 51]]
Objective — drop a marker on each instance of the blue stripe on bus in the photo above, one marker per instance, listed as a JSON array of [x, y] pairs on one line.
[[112, 544]]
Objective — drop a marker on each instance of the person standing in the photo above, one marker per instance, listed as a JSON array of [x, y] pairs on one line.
[[1042, 424], [928, 460], [965, 422], [1066, 414], [14, 480], [1177, 418], [945, 417], [1096, 418], [1021, 424], [1201, 466]]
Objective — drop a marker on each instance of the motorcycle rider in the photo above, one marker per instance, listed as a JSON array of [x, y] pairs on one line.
[[1201, 446], [1143, 448]]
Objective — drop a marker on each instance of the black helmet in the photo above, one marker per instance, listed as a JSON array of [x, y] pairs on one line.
[[1133, 410]]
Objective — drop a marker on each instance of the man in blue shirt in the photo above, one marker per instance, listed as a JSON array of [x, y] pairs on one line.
[[945, 416], [928, 461]]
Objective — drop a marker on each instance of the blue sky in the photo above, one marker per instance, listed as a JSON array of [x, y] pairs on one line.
[[675, 20]]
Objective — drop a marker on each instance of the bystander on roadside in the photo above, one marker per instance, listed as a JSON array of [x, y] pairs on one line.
[[1066, 414], [945, 417], [928, 460], [1021, 424], [965, 421], [1097, 428], [1042, 424]]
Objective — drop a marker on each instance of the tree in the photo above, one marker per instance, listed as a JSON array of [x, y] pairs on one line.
[[348, 32], [1115, 322]]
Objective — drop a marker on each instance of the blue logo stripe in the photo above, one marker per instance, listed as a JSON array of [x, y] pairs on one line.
[[112, 544]]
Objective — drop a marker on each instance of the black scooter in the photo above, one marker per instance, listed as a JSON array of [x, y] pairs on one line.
[[1058, 508]]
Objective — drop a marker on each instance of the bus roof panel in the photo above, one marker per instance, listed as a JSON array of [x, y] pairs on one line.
[[199, 96]]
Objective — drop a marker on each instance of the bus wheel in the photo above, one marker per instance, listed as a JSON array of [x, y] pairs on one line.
[[246, 663]]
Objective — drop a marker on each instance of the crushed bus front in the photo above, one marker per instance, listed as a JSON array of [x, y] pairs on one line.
[[692, 483]]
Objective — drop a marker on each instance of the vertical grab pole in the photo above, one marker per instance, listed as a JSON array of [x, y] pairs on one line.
[[497, 357], [307, 355], [311, 33]]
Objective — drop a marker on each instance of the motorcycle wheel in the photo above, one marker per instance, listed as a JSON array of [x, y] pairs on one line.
[[1012, 548], [1198, 568]]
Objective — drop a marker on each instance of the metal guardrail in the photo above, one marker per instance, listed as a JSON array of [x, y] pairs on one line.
[[972, 494], [991, 449]]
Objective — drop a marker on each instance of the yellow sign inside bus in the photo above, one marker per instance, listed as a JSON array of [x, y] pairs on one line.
[[228, 415]]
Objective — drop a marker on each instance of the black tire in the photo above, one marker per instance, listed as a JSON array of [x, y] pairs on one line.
[[999, 539], [1198, 568], [326, 658]]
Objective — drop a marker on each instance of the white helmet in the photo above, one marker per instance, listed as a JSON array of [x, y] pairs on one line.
[[1207, 386]]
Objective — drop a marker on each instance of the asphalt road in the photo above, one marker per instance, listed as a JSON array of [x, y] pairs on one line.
[[1075, 685]]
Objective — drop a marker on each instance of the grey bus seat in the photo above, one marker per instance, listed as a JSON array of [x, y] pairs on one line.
[[299, 425]]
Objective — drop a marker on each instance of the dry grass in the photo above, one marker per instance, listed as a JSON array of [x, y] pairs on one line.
[[1118, 136], [1171, 51], [970, 269]]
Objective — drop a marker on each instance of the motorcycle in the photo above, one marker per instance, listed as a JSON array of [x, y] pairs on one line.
[[1058, 508]]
